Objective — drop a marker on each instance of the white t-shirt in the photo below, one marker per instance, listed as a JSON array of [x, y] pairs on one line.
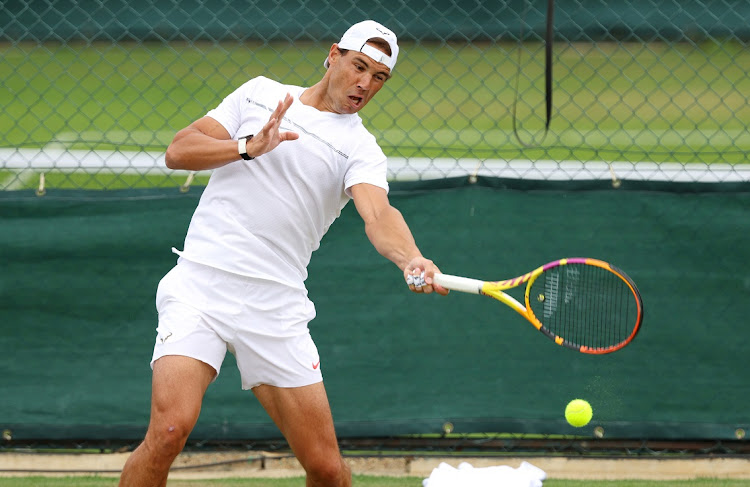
[[263, 218]]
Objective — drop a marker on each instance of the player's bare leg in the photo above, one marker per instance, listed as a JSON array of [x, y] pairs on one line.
[[304, 417], [177, 390]]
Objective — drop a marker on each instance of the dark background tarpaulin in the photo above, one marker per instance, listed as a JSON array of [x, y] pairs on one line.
[[440, 20], [79, 272]]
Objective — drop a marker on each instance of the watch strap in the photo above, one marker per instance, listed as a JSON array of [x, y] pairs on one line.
[[242, 147]]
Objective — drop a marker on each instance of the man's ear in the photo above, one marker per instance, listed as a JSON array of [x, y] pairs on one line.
[[333, 54]]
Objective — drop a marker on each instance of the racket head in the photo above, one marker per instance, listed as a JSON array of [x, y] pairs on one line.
[[584, 304]]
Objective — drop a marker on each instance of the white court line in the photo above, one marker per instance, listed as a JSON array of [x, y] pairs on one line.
[[425, 168], [401, 169]]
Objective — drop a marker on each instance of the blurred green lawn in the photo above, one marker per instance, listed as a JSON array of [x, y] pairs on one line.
[[633, 102]]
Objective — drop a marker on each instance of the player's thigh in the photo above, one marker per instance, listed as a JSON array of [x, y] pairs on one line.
[[303, 415], [177, 389]]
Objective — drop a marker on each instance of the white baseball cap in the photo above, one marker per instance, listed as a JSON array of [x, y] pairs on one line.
[[356, 37]]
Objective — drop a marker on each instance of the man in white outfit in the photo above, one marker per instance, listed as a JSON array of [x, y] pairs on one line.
[[285, 161]]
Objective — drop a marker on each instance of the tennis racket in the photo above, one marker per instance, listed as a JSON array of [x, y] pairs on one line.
[[583, 304]]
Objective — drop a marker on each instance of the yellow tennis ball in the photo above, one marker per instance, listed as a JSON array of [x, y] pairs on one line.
[[578, 413]]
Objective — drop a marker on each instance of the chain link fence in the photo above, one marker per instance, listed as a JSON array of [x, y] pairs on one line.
[[92, 92]]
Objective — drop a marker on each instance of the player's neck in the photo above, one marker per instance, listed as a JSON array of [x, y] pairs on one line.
[[316, 97]]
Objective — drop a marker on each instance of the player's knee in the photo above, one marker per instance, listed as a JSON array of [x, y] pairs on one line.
[[168, 441], [331, 471]]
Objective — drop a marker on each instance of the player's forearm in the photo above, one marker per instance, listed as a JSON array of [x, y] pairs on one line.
[[196, 151], [391, 237]]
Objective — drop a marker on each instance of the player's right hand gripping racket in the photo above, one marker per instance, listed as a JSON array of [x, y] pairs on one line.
[[584, 304]]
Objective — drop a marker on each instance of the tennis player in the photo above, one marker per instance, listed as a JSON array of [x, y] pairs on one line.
[[286, 160]]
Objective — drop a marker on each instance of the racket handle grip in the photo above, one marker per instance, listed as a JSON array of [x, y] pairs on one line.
[[456, 283]]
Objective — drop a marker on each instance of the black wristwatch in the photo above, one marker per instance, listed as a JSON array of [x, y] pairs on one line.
[[242, 147]]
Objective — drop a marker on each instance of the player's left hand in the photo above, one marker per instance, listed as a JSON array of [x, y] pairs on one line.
[[270, 136]]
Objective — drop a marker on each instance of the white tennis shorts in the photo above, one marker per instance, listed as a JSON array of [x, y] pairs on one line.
[[203, 312]]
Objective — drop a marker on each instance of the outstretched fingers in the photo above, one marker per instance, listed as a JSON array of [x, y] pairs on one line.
[[283, 106], [270, 135], [274, 123]]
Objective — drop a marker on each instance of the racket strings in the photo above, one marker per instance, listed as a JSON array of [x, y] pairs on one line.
[[585, 305]]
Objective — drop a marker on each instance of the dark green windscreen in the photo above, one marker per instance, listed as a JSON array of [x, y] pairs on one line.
[[77, 317]]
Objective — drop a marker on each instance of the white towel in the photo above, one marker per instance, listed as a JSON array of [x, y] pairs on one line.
[[526, 475]]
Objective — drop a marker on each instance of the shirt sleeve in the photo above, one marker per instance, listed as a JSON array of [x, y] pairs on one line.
[[229, 112], [367, 164]]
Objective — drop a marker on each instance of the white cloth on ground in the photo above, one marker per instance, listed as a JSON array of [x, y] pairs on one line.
[[526, 475]]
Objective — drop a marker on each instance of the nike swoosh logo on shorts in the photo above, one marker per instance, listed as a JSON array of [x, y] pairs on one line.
[[315, 365]]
